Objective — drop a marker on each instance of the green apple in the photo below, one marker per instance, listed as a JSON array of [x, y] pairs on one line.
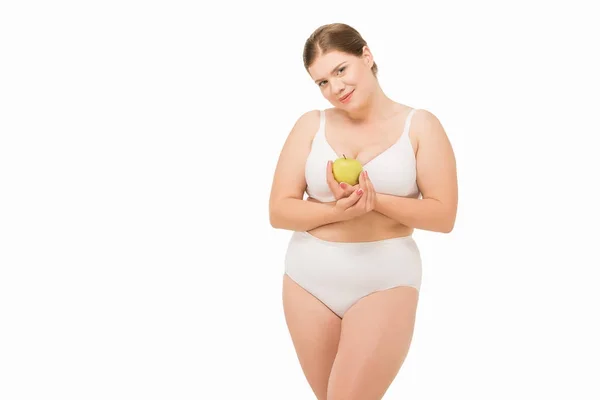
[[346, 170]]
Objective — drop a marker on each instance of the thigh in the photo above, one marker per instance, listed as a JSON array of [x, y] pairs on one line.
[[315, 333], [375, 339]]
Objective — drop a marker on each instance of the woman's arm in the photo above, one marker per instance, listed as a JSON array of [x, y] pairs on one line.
[[436, 178], [301, 215], [287, 208], [427, 214]]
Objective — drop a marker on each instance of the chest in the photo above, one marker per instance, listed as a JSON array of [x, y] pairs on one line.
[[362, 144]]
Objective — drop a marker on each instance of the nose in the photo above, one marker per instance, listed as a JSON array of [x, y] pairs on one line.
[[337, 86]]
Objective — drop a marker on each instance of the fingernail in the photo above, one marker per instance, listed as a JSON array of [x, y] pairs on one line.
[[359, 192], [343, 185]]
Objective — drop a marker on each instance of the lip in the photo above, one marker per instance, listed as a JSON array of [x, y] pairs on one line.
[[347, 97]]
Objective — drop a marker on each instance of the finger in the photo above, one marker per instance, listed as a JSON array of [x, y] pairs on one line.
[[332, 183], [373, 194], [347, 189], [351, 200], [358, 207], [362, 179]]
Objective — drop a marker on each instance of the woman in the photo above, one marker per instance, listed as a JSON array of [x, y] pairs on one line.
[[352, 268]]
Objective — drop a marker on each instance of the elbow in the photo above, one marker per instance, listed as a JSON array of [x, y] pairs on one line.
[[275, 217], [444, 218], [448, 225], [447, 228], [275, 223]]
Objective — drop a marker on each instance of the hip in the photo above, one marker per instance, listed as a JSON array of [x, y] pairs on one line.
[[382, 261]]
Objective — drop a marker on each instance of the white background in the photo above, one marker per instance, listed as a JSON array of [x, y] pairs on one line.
[[137, 146]]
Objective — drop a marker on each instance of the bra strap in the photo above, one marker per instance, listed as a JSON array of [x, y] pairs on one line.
[[322, 122], [408, 120]]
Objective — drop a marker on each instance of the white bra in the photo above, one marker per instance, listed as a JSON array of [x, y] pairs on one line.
[[392, 172]]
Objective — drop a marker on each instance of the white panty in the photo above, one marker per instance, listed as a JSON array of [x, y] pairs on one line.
[[341, 273]]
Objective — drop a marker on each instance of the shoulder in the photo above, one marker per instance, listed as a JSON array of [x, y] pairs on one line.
[[309, 118], [433, 143], [307, 124], [424, 120], [425, 125]]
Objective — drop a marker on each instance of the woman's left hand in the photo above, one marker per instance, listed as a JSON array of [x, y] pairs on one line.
[[370, 195]]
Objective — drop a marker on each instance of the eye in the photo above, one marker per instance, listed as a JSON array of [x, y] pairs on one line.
[[340, 70]]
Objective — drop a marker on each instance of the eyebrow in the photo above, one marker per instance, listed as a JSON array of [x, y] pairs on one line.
[[336, 67]]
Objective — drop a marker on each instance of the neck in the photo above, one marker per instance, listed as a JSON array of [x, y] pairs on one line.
[[378, 106]]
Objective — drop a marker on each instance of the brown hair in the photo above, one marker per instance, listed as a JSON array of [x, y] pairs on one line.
[[330, 37]]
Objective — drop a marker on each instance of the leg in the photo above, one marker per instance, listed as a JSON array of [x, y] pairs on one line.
[[375, 339], [315, 332]]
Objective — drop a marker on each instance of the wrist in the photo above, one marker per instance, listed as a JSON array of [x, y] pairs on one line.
[[377, 205], [335, 214]]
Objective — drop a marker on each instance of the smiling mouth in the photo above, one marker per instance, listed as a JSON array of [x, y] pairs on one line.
[[346, 96]]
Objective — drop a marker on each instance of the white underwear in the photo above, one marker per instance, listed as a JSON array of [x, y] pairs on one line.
[[341, 273]]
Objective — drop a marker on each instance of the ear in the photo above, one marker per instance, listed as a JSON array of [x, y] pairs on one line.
[[367, 56]]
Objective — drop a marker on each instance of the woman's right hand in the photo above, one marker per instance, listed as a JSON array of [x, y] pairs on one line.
[[360, 201]]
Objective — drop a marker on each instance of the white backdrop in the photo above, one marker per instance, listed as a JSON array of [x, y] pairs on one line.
[[138, 142]]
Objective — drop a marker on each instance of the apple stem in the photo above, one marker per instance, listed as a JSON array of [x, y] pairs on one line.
[[344, 155]]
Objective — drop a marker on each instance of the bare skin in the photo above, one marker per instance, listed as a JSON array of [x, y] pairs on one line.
[[315, 332], [358, 357], [364, 147], [375, 339]]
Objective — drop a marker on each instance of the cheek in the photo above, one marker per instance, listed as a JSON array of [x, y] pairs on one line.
[[353, 78], [364, 81]]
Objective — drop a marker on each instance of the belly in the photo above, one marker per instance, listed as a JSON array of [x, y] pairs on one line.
[[366, 228]]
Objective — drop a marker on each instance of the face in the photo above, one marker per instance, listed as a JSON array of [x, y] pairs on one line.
[[338, 74]]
